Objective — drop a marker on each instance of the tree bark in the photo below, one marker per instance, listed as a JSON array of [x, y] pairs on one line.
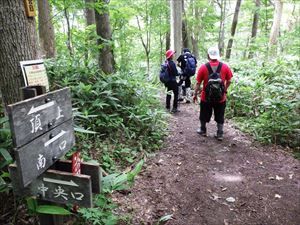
[[46, 29], [69, 41], [106, 57], [89, 12], [176, 26], [254, 26], [233, 28], [276, 22], [221, 43], [18, 42], [185, 36]]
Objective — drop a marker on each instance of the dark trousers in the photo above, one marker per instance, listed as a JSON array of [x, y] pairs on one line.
[[172, 86], [186, 80], [207, 108]]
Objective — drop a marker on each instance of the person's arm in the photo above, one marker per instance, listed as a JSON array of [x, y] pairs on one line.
[[196, 92], [227, 84], [228, 79]]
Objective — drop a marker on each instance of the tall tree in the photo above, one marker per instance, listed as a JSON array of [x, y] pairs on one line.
[[69, 33], [185, 36], [254, 26], [221, 44], [146, 42], [276, 22], [46, 29], [106, 57], [233, 28], [176, 26], [89, 12], [18, 42], [196, 29]]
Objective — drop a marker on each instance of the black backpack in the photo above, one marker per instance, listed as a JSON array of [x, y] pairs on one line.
[[215, 88], [190, 65], [164, 74]]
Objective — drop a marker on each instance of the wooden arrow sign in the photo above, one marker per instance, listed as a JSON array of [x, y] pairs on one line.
[[38, 155], [33, 117]]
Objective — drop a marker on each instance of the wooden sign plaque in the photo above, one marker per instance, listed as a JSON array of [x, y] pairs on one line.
[[37, 156], [35, 116]]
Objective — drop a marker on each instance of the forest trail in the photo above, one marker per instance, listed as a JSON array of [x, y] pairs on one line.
[[192, 176]]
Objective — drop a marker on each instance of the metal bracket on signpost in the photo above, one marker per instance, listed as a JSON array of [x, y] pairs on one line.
[[32, 91]]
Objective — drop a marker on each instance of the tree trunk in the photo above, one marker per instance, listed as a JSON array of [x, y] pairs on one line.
[[254, 26], [185, 36], [106, 57], [18, 42], [221, 43], [90, 20], [168, 38], [46, 29], [276, 22], [89, 12], [233, 28], [69, 41], [196, 30], [168, 41], [176, 26]]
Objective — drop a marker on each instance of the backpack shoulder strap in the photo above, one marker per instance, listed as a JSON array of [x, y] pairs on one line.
[[210, 71], [219, 67], [168, 66]]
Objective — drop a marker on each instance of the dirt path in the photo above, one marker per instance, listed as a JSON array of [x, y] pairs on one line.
[[192, 177]]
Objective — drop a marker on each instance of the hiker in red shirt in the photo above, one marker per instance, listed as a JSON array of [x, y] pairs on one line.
[[216, 77]]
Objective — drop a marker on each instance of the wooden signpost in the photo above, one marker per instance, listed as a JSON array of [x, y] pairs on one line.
[[35, 116], [42, 132], [37, 156]]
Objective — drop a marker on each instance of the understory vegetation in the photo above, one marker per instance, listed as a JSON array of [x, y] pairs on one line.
[[264, 99]]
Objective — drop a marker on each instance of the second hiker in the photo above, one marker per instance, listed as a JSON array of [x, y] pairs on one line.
[[188, 64]]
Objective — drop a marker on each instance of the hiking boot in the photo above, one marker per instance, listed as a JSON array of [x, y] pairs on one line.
[[202, 132], [174, 110], [219, 136]]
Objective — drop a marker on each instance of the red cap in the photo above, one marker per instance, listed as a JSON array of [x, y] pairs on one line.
[[169, 53]]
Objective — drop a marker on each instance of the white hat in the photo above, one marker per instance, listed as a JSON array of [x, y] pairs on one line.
[[213, 53]]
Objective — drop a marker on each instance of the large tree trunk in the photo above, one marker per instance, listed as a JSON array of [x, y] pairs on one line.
[[18, 42], [276, 22], [176, 26], [254, 26], [233, 28], [221, 43], [106, 57], [46, 30]]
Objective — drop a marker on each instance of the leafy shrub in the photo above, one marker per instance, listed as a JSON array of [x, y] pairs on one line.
[[265, 100], [123, 109]]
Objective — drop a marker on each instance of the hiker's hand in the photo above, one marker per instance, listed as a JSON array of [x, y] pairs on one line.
[[195, 99]]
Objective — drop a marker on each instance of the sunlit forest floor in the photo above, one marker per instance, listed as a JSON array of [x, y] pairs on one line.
[[199, 180]]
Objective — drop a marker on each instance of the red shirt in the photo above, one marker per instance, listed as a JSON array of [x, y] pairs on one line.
[[202, 75]]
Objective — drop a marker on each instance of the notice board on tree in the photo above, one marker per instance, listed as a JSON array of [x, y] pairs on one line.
[[34, 73]]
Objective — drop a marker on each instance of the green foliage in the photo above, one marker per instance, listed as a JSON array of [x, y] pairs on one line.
[[102, 212], [122, 105], [265, 100], [34, 208], [5, 157]]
